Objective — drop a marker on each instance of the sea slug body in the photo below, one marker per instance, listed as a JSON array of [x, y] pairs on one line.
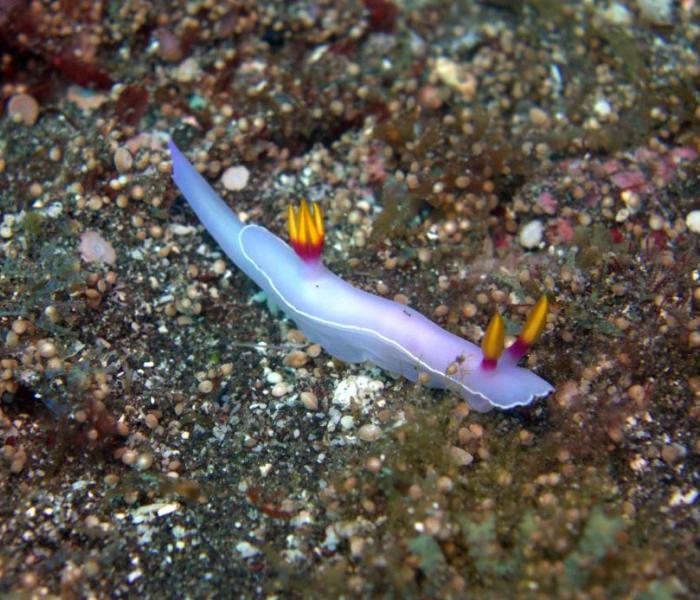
[[356, 326]]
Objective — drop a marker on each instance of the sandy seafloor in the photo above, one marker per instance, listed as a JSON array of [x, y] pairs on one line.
[[165, 434]]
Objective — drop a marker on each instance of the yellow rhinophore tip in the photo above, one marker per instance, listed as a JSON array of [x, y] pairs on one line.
[[535, 323], [492, 344], [306, 231]]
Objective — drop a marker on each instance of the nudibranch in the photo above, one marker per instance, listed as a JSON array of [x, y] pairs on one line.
[[356, 326]]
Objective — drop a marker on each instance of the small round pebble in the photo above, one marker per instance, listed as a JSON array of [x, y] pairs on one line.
[[92, 521], [111, 479], [602, 108], [169, 47], [309, 400], [30, 579], [539, 117], [460, 457], [444, 484], [24, 108], [188, 70], [92, 567], [12, 339], [46, 348], [347, 422], [235, 178], [672, 453], [18, 462], [273, 377], [692, 221], [219, 267], [144, 461], [205, 386], [374, 464], [279, 389], [531, 234], [19, 326], [123, 159], [369, 432], [694, 339], [296, 359], [636, 392], [129, 457]]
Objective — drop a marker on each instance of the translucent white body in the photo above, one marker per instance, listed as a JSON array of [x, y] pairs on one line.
[[351, 324]]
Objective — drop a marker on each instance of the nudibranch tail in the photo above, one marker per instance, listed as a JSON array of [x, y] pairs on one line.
[[221, 222], [493, 342], [534, 326], [306, 230]]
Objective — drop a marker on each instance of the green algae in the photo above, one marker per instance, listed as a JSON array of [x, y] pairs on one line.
[[428, 551], [400, 208], [490, 559], [598, 538], [34, 228], [659, 590], [548, 9], [627, 53], [32, 285]]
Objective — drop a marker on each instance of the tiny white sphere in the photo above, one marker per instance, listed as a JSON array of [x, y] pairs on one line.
[[602, 108], [273, 377], [692, 221]]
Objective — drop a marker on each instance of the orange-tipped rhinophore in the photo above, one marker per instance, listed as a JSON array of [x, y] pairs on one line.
[[534, 325], [306, 231]]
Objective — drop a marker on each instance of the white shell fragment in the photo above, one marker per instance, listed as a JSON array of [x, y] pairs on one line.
[[692, 221], [531, 234], [235, 178]]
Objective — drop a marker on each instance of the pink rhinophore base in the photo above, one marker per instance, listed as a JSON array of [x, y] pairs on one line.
[[518, 349], [489, 364], [309, 253]]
